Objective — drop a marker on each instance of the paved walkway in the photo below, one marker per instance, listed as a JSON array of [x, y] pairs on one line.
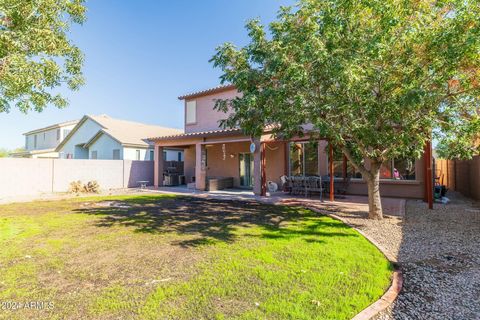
[[349, 203]]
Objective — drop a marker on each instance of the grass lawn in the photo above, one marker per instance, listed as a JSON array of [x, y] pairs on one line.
[[165, 257]]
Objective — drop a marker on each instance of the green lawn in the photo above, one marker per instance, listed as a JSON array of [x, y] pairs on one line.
[[164, 257]]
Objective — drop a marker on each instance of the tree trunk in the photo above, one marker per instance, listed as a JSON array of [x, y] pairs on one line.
[[374, 201]]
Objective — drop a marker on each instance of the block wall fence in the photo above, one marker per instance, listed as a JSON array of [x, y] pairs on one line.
[[25, 177]]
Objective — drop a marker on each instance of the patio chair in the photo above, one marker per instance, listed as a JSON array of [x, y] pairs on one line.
[[314, 184], [286, 183], [298, 185], [343, 186]]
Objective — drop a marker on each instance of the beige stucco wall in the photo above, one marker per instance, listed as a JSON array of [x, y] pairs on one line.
[[207, 118], [189, 163], [275, 161], [218, 166]]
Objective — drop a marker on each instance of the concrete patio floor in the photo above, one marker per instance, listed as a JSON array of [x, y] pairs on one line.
[[349, 204]]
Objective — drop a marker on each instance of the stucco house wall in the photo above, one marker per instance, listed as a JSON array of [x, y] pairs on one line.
[[81, 136], [207, 117], [46, 139], [104, 147]]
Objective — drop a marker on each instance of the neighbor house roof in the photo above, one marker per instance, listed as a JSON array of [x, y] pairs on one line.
[[127, 133], [53, 126], [206, 92]]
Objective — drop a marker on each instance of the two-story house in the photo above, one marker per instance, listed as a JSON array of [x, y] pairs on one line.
[[107, 138], [41, 143], [213, 152]]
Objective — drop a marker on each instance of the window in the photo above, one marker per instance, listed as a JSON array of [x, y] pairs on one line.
[[303, 158], [164, 155], [342, 167], [44, 136], [398, 169], [35, 141], [94, 155], [191, 112], [116, 154], [58, 134], [152, 155], [179, 156], [137, 154]]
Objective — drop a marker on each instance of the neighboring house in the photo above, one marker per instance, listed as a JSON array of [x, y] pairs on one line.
[[103, 137], [41, 143], [213, 152]]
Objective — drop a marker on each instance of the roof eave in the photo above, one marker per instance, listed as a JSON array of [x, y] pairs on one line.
[[207, 92]]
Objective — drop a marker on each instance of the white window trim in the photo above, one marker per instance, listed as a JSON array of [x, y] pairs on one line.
[[192, 103]]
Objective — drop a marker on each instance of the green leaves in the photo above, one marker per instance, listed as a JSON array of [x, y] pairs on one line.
[[373, 75], [36, 55]]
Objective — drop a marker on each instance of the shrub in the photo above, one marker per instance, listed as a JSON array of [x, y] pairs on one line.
[[92, 187], [75, 187]]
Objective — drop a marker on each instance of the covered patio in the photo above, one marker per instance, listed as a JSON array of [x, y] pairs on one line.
[[227, 159]]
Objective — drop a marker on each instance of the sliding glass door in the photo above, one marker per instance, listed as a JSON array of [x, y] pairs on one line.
[[246, 170], [303, 159]]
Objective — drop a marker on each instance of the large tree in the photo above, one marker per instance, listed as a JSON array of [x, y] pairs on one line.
[[374, 77], [36, 55]]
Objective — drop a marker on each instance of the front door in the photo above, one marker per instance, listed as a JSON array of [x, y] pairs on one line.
[[246, 170]]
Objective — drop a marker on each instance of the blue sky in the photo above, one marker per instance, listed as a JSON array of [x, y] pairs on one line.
[[141, 55]]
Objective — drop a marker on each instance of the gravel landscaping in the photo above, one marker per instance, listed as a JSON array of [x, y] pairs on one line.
[[439, 253]]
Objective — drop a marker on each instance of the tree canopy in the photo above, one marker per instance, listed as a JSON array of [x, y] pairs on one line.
[[36, 55], [374, 77]]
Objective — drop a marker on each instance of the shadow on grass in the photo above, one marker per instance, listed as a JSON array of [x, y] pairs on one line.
[[210, 220]]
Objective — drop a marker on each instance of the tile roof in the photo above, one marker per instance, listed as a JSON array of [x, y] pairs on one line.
[[53, 126], [217, 89], [132, 133], [219, 132]]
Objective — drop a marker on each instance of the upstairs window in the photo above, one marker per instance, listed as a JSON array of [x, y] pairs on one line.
[[137, 154], [116, 154], [58, 134], [152, 155], [191, 112], [94, 155], [35, 141]]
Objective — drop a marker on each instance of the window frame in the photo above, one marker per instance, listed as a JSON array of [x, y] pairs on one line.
[[392, 167], [194, 114], [113, 154], [303, 165]]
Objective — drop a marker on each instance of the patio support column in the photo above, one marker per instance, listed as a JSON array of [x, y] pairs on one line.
[[158, 167], [200, 167], [427, 155], [257, 168], [331, 171], [263, 158]]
